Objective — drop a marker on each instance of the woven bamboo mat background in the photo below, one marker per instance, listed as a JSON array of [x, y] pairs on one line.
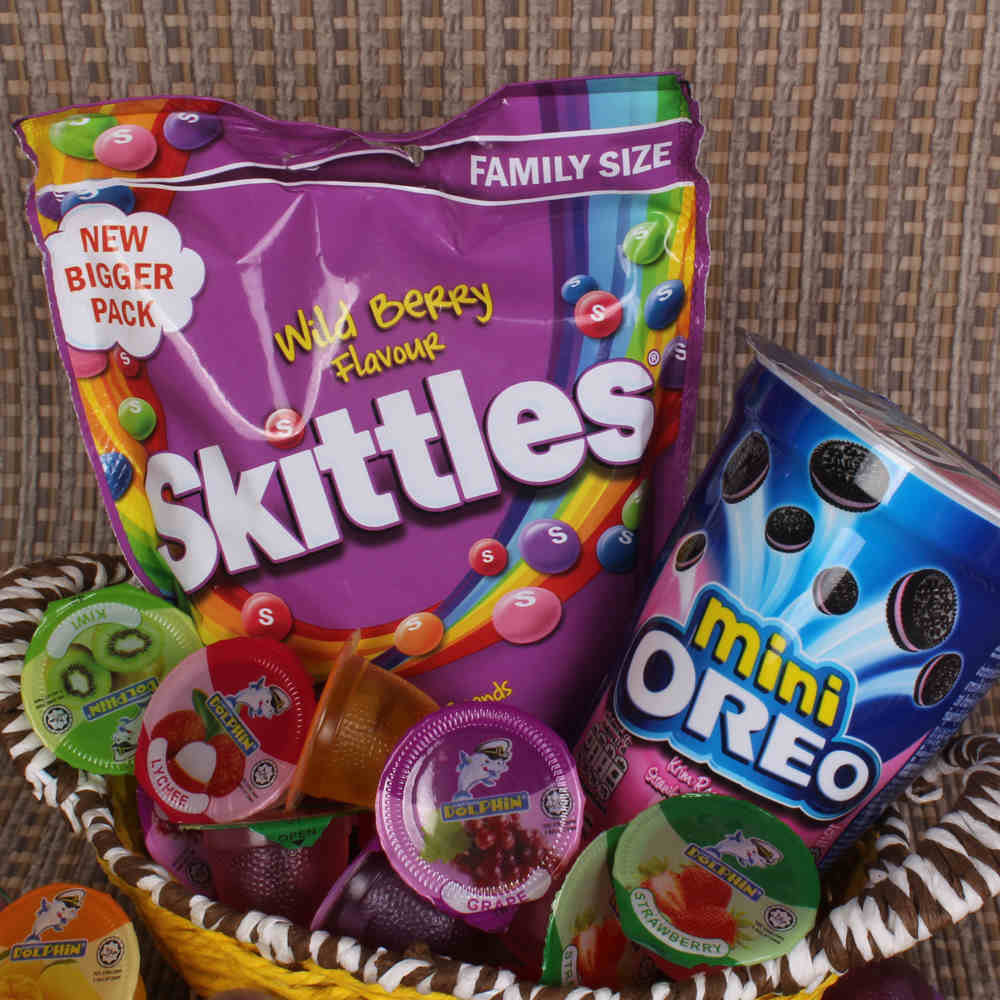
[[853, 151]]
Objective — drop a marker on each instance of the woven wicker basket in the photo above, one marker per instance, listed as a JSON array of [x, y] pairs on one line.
[[907, 895]]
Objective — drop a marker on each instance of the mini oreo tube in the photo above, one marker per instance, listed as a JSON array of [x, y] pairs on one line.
[[819, 623]]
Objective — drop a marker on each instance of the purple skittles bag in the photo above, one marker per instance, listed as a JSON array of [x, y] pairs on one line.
[[418, 384]]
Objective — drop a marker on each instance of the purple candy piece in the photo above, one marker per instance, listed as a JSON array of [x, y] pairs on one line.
[[550, 546], [189, 130], [890, 979], [673, 364], [117, 472], [49, 204]]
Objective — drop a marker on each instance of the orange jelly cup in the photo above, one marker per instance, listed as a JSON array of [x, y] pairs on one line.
[[363, 712]]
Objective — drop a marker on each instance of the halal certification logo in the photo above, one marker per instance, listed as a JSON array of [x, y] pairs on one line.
[[780, 918], [556, 802], [57, 719], [110, 951], [263, 774]]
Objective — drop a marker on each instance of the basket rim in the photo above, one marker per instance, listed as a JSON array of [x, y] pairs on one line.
[[909, 894]]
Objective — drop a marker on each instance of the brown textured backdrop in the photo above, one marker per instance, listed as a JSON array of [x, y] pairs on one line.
[[853, 151]]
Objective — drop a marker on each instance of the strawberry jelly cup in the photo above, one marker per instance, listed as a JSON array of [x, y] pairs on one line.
[[478, 810], [222, 733], [363, 712]]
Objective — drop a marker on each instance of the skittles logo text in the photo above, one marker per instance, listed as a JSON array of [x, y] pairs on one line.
[[492, 805], [733, 691], [533, 432]]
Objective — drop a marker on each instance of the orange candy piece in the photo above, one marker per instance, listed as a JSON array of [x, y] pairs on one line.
[[419, 633]]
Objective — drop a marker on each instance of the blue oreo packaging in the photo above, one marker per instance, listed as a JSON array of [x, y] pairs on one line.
[[821, 620]]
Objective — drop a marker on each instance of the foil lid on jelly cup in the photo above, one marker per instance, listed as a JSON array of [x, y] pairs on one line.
[[67, 942], [223, 732], [585, 944], [712, 880], [478, 809], [91, 668]]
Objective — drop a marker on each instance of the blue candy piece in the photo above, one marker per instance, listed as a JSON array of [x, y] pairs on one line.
[[119, 195], [664, 304], [117, 472], [616, 549], [575, 288]]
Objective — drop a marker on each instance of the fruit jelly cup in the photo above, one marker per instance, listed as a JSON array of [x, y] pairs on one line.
[[363, 712], [371, 903], [253, 872]]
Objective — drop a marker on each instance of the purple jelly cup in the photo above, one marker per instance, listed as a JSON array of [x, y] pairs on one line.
[[181, 852], [479, 810], [371, 903]]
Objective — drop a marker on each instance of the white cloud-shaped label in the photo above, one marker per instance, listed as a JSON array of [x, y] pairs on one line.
[[122, 278]]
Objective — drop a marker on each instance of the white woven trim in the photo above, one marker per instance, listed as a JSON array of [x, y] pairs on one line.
[[425, 986], [198, 908], [660, 991], [349, 954], [12, 653], [19, 724], [154, 884], [316, 941], [273, 942], [580, 992], [393, 976], [465, 981], [11, 616], [370, 972], [246, 926], [16, 590]]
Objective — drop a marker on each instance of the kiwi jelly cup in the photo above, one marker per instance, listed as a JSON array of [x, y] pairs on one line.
[[363, 712]]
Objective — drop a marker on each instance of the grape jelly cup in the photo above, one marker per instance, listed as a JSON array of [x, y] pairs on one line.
[[478, 809]]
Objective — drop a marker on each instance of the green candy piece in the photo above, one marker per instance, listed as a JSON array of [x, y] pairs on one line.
[[137, 417], [76, 136], [632, 509], [644, 242]]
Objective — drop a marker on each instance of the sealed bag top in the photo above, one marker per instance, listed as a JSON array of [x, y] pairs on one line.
[[414, 384]]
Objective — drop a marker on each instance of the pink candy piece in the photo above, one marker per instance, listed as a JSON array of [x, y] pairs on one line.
[[488, 557], [266, 616], [125, 147], [86, 364], [527, 615]]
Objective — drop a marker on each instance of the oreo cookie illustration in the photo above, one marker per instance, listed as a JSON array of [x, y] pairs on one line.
[[690, 551], [835, 590], [848, 475], [936, 679], [789, 529], [746, 469], [921, 609]]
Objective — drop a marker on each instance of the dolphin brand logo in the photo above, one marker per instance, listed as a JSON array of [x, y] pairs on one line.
[[733, 691], [750, 852], [484, 766], [55, 913]]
